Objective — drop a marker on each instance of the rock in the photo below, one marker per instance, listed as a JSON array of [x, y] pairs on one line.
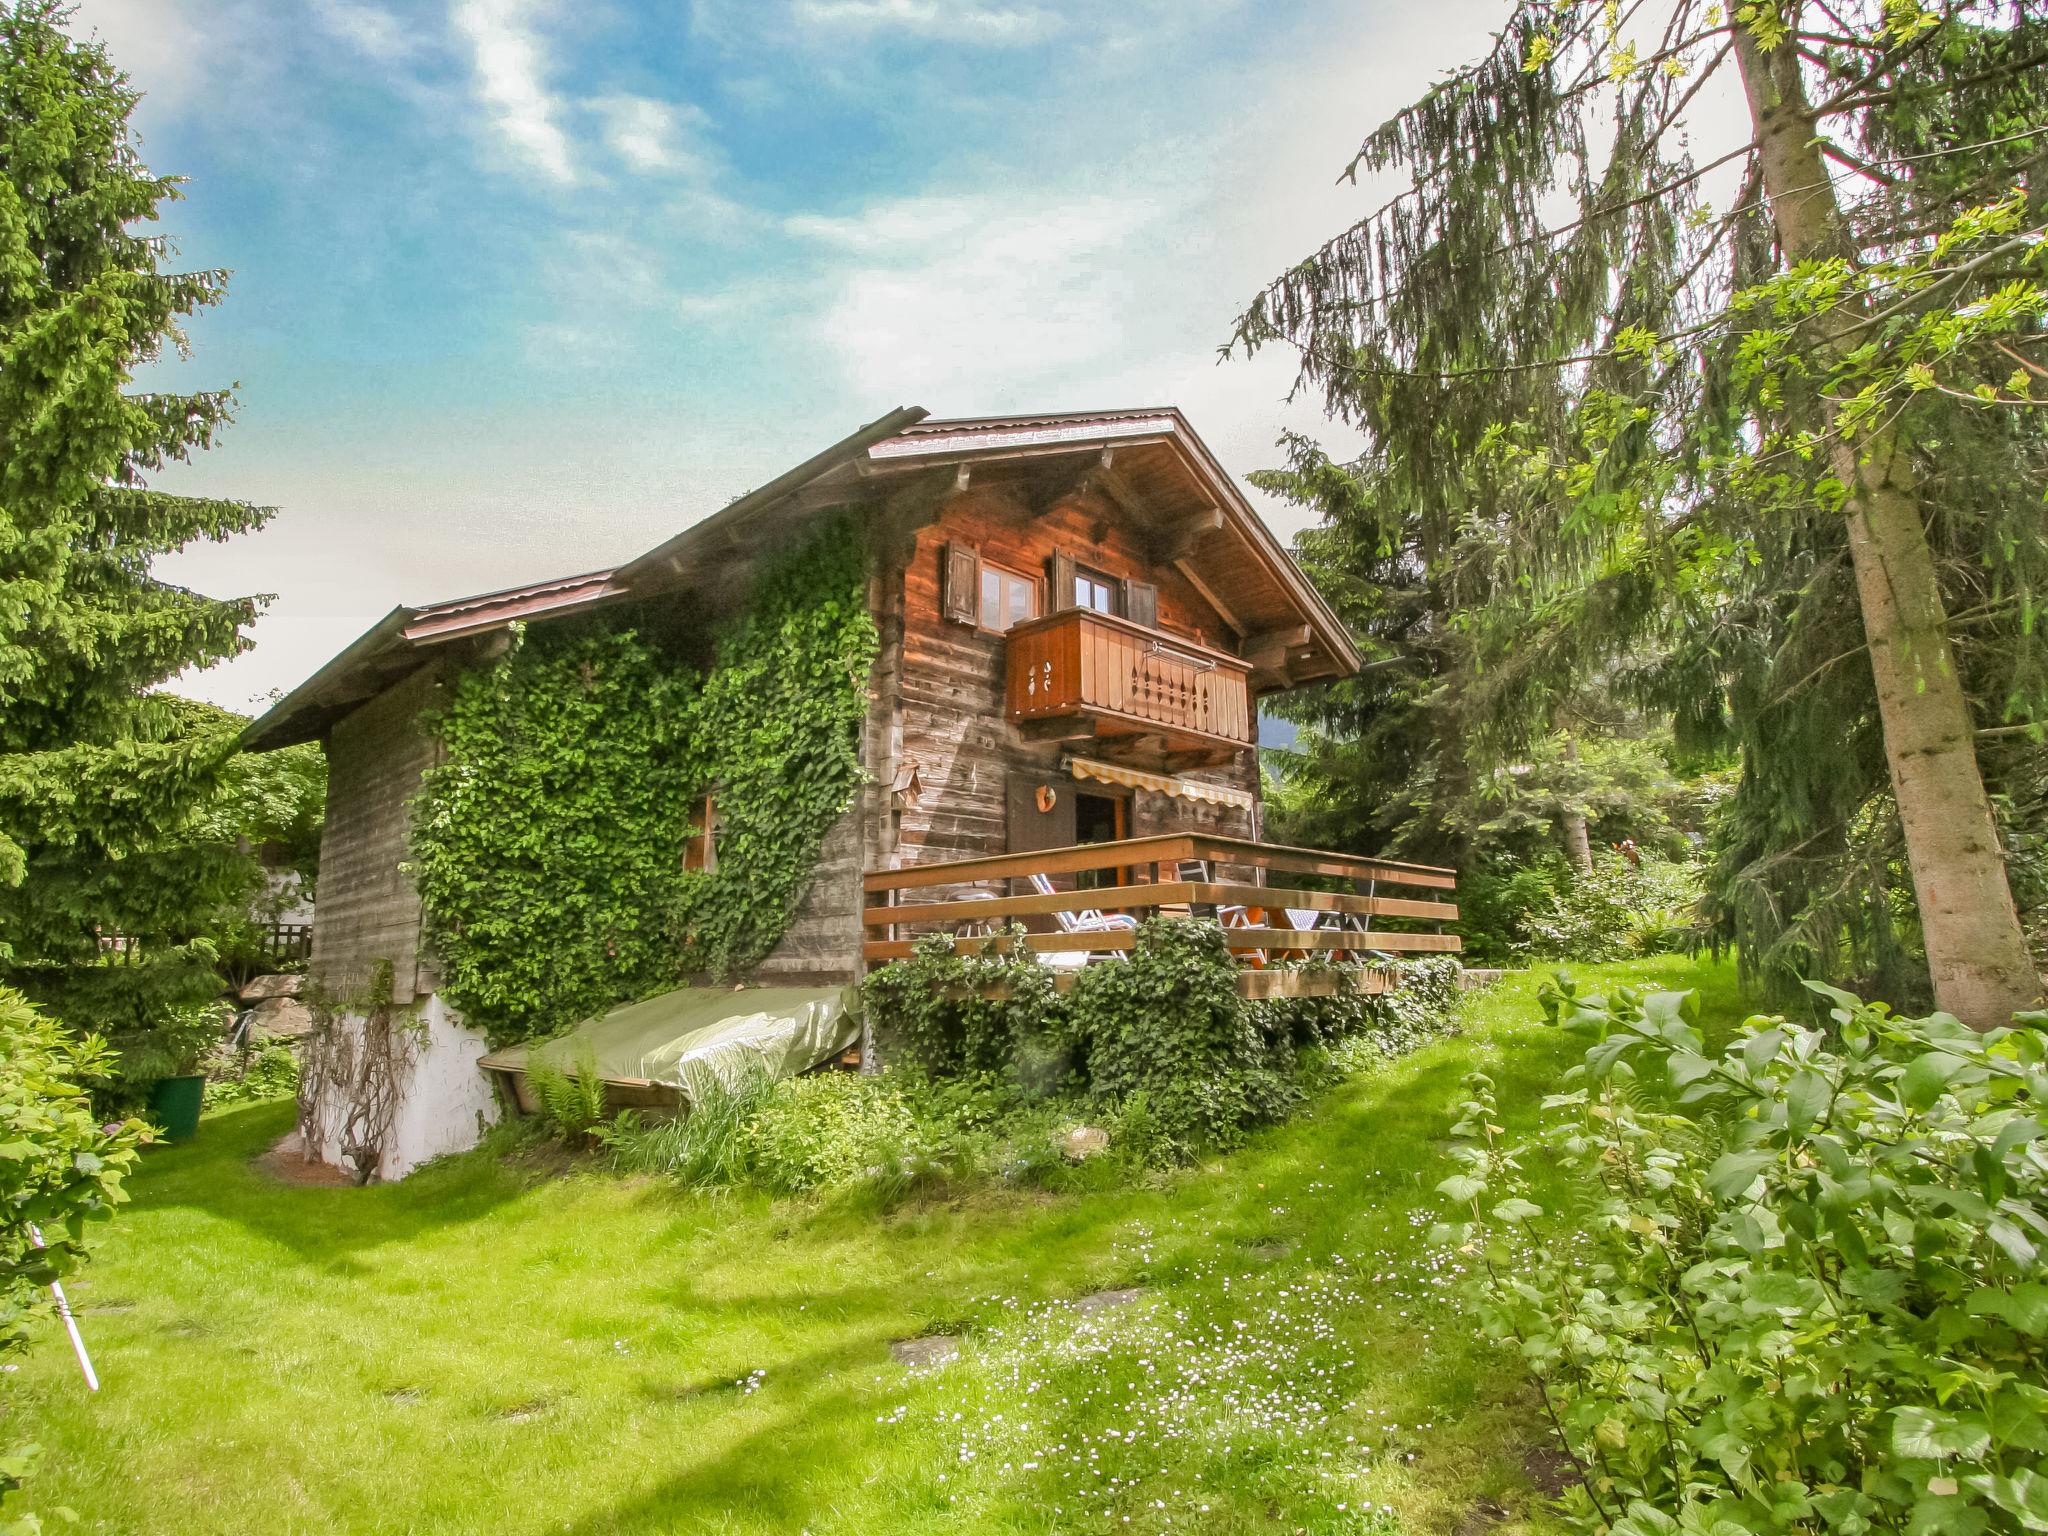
[[261, 987], [280, 1018], [1081, 1142], [932, 1350]]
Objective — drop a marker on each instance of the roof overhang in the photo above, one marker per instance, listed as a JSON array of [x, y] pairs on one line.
[[868, 465]]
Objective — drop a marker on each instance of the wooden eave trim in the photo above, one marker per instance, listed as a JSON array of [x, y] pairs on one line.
[[283, 724], [1329, 629]]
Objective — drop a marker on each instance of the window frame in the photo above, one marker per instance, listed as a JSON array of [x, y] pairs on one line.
[[1010, 573], [1111, 585]]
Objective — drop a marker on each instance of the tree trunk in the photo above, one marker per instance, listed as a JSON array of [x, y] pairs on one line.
[[1578, 846], [1976, 951]]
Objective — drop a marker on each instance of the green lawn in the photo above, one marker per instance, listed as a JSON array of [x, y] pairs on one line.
[[495, 1346]]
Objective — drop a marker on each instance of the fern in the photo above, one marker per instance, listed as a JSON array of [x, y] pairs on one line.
[[572, 1102]]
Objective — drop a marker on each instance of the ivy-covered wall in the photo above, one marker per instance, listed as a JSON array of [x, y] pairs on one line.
[[548, 843]]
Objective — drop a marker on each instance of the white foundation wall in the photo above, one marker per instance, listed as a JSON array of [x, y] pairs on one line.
[[444, 1101]]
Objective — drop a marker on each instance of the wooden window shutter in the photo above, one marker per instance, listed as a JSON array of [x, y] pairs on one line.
[[1141, 603], [1062, 568], [960, 582]]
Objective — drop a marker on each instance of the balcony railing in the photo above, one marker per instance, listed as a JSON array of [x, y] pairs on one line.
[[1063, 894], [1116, 678]]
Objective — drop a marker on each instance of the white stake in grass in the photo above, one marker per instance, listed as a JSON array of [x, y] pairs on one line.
[[92, 1380]]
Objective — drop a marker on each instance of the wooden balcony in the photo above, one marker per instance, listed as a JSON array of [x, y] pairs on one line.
[[1251, 888], [1081, 674]]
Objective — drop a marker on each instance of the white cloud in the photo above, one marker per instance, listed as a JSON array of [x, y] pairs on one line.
[[370, 29], [957, 20], [653, 136], [511, 80], [941, 289]]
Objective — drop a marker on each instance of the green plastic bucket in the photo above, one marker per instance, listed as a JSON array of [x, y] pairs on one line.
[[174, 1104]]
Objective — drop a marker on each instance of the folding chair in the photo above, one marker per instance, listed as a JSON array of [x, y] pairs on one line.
[[1087, 920]]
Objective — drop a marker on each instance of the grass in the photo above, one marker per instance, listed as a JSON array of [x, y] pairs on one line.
[[502, 1344]]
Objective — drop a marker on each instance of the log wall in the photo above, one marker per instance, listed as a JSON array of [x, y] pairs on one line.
[[950, 717], [369, 910]]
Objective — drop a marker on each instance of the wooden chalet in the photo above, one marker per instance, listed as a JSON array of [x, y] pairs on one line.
[[1079, 616]]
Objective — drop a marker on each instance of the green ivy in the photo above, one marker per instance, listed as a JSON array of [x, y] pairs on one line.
[[1162, 1034], [548, 842], [776, 733]]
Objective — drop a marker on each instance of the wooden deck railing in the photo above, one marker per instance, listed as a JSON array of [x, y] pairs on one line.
[[1243, 883], [1127, 678]]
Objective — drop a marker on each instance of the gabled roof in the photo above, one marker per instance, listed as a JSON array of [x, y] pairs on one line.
[[1149, 461]]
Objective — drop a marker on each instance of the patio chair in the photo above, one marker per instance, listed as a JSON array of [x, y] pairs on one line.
[[1229, 914], [1087, 920]]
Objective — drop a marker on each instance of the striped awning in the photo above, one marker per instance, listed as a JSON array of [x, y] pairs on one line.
[[1158, 783]]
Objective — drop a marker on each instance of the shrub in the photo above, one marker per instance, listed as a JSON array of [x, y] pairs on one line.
[[1166, 1024], [270, 1071], [1169, 1024], [835, 1128], [62, 1169], [1617, 912], [934, 1012], [1795, 1283]]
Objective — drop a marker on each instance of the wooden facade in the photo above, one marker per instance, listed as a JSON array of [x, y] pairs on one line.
[[1078, 616]]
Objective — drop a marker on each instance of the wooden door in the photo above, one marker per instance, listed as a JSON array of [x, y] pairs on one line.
[[1032, 829]]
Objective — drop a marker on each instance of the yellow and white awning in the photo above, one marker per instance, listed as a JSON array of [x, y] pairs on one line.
[[1159, 783]]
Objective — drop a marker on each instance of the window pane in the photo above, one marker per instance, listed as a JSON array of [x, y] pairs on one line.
[[1023, 600], [991, 598]]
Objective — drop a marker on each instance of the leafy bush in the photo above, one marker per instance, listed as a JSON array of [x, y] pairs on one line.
[[571, 1102], [835, 1128], [1169, 1024], [934, 1011], [1617, 912], [1161, 1039], [1796, 1283], [62, 1167], [270, 1071]]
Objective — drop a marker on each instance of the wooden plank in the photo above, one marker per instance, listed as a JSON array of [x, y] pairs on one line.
[[1312, 861], [1196, 845], [878, 950], [1283, 939], [1294, 938], [1258, 985], [1254, 986], [1134, 898], [1165, 848]]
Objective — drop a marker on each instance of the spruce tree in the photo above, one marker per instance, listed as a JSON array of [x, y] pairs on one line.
[[106, 891], [1722, 443]]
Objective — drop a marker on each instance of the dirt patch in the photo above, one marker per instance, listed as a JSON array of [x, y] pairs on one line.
[[1548, 1469], [1102, 1301], [932, 1350], [288, 1163]]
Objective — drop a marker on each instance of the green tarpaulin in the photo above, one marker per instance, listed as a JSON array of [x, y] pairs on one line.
[[685, 1037]]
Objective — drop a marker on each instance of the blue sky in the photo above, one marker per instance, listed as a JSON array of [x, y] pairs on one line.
[[521, 287]]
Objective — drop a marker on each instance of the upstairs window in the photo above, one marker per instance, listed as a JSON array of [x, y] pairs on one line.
[[1007, 598], [1094, 590]]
